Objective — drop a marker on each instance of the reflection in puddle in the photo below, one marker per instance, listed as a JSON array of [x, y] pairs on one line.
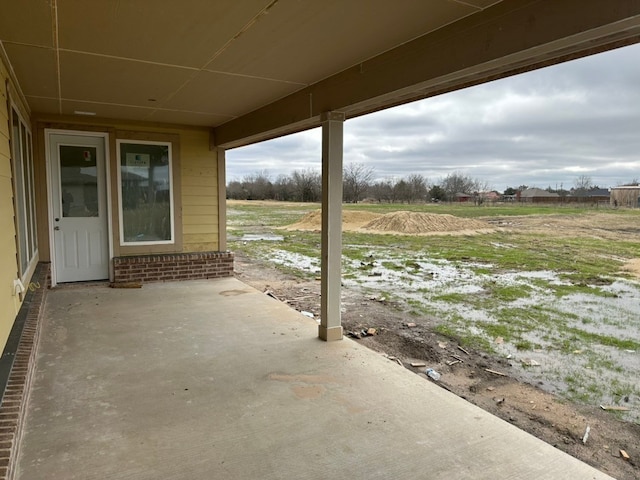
[[254, 237]]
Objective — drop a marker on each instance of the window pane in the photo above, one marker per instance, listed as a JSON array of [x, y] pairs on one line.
[[16, 144], [78, 181], [145, 176], [27, 189], [32, 199]]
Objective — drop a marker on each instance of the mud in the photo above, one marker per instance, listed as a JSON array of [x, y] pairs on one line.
[[525, 395]]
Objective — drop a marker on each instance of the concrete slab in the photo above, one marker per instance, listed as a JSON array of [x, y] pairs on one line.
[[213, 379]]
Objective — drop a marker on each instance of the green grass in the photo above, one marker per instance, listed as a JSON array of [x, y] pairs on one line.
[[523, 311]]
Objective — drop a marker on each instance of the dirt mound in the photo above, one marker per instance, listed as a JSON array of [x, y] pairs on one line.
[[351, 220], [417, 223], [633, 267]]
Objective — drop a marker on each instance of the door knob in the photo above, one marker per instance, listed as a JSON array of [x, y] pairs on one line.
[[56, 228]]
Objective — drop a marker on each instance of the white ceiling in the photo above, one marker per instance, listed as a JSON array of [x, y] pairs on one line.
[[215, 62]]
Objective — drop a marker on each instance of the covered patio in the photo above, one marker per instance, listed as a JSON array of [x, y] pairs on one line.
[[213, 379]]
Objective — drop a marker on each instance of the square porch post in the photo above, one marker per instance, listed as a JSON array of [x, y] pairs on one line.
[[331, 251]]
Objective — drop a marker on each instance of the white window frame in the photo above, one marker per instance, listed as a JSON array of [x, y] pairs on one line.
[[27, 192], [169, 146]]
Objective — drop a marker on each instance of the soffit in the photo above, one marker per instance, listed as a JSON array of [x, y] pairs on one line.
[[196, 60], [233, 64]]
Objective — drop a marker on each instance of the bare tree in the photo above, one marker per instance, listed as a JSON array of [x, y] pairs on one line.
[[418, 187], [258, 186], [356, 180], [582, 185], [382, 191], [458, 183], [307, 185]]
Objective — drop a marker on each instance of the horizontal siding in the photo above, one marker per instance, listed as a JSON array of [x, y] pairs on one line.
[[193, 171], [207, 210], [199, 238], [202, 229], [195, 201], [8, 262], [199, 219], [199, 182], [209, 191], [5, 162]]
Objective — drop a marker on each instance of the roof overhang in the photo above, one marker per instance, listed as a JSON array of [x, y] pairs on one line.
[[258, 69]]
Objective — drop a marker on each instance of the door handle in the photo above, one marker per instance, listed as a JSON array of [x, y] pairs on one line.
[[56, 228]]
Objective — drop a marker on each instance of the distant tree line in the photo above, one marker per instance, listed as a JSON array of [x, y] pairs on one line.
[[358, 184]]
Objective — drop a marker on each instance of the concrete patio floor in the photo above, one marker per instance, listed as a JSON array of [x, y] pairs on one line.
[[213, 379]]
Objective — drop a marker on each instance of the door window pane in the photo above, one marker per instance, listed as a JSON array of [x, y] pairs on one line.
[[145, 193], [78, 181]]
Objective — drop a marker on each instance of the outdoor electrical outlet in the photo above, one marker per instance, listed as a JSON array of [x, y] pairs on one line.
[[18, 287]]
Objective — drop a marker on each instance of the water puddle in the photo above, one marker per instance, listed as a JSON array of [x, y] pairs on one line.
[[256, 237], [580, 345]]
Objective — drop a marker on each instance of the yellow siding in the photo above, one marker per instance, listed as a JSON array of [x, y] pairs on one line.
[[199, 192], [9, 304], [202, 229], [191, 200]]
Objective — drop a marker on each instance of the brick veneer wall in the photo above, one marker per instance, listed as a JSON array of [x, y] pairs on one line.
[[174, 266], [22, 361]]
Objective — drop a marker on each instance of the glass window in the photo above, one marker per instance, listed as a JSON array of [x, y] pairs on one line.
[[146, 194], [24, 196], [79, 181]]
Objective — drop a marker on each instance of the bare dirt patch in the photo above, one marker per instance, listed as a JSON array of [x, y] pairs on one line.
[[633, 267], [411, 223], [351, 220], [418, 223]]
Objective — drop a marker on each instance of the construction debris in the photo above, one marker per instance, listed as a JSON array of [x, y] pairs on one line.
[[586, 435], [495, 373], [269, 293], [365, 332], [530, 362], [418, 364], [410, 325], [463, 350], [615, 408], [624, 455]]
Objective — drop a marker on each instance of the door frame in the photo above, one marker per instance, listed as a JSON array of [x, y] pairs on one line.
[[107, 179]]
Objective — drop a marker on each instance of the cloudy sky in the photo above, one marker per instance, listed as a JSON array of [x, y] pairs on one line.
[[544, 128]]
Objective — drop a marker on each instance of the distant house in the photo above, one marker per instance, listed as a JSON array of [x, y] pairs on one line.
[[627, 196], [492, 196], [462, 197], [537, 195], [598, 195]]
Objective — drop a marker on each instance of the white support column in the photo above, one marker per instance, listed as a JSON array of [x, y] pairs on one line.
[[222, 199], [331, 255]]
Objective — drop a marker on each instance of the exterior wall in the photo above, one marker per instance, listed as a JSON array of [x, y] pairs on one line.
[[184, 266], [625, 197], [199, 193], [9, 304], [195, 175]]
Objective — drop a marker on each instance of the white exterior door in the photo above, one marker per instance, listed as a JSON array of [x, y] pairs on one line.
[[79, 208]]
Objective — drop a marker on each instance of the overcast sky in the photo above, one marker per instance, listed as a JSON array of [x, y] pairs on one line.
[[543, 128]]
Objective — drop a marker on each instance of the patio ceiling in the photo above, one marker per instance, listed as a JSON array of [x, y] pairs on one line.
[[256, 69]]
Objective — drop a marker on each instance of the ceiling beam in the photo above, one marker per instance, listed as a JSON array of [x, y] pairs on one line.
[[510, 37]]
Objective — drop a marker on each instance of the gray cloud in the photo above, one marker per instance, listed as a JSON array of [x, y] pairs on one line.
[[543, 128]]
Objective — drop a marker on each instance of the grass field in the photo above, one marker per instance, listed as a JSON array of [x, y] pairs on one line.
[[542, 290]]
